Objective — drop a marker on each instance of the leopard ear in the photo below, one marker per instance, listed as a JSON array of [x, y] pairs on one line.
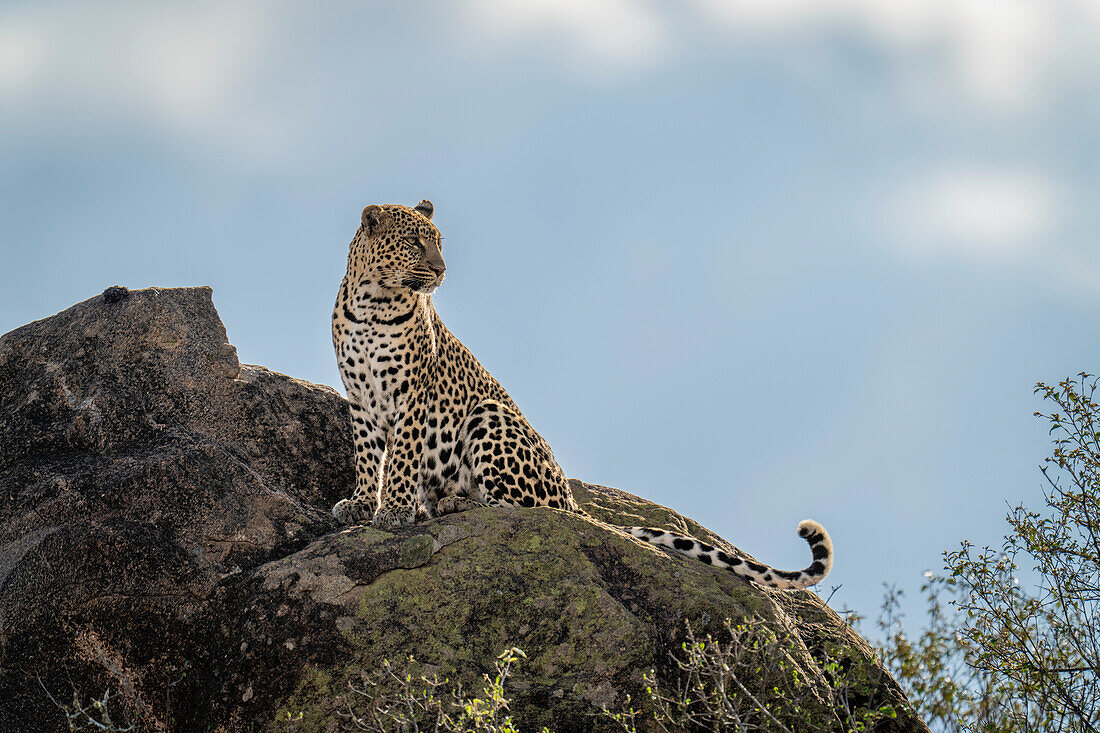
[[425, 207], [374, 218]]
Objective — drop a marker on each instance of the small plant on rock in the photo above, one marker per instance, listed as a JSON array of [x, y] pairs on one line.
[[402, 701], [713, 692], [90, 715]]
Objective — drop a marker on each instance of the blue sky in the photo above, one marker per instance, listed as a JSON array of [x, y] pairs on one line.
[[756, 260]]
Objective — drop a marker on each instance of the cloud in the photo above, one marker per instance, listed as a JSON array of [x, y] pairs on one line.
[[191, 64], [209, 72], [615, 35], [1011, 221], [69, 66], [1005, 55], [214, 72], [19, 55], [997, 52], [974, 213]]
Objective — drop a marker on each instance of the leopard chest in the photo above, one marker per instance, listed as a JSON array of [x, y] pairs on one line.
[[376, 367]]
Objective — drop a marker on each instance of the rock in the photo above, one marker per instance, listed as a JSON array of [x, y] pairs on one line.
[[164, 533]]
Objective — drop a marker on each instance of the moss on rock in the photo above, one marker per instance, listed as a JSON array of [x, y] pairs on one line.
[[592, 607]]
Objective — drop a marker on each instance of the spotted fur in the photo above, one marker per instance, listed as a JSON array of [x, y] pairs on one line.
[[434, 432]]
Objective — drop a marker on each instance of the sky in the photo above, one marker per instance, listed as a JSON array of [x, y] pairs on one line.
[[756, 260]]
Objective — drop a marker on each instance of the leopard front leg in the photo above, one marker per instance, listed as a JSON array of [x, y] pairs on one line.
[[370, 463], [398, 500]]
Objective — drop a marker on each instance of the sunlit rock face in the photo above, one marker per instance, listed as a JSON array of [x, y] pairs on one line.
[[164, 532]]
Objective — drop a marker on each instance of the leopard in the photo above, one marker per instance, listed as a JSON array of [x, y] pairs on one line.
[[433, 431]]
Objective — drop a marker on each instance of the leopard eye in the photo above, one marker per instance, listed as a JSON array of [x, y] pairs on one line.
[[413, 242]]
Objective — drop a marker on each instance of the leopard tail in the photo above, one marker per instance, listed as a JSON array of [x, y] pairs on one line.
[[821, 545]]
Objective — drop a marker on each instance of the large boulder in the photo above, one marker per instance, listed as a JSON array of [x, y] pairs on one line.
[[164, 533]]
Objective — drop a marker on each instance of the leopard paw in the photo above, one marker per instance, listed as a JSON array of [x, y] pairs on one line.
[[353, 511], [394, 516], [452, 504]]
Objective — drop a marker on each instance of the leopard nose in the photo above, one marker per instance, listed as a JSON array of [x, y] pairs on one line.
[[433, 258]]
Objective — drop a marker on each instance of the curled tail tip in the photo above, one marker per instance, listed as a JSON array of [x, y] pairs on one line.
[[808, 526], [814, 533], [821, 545]]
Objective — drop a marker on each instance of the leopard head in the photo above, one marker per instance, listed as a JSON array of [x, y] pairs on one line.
[[398, 247]]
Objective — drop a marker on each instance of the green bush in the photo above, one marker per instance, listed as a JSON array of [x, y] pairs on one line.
[[1011, 656]]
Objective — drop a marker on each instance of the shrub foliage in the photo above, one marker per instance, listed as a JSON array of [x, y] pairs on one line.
[[1003, 655]]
